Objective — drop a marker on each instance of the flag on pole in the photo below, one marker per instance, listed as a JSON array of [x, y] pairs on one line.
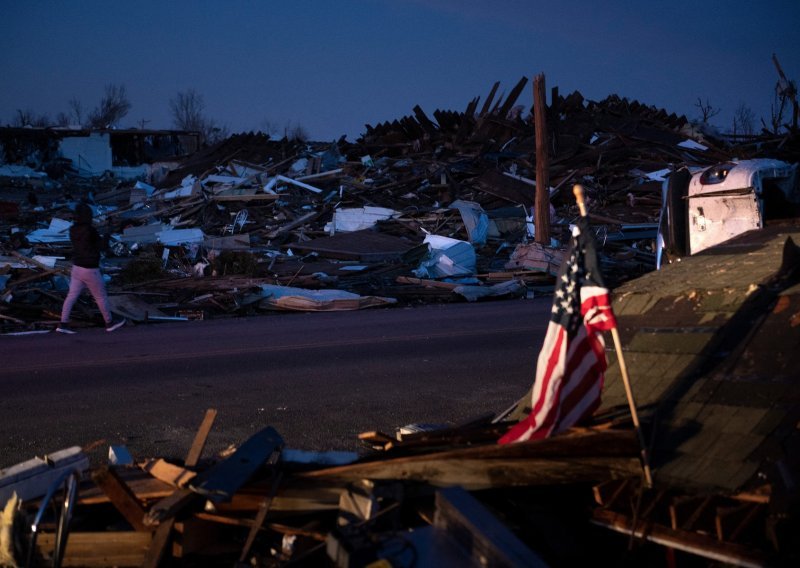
[[569, 371]]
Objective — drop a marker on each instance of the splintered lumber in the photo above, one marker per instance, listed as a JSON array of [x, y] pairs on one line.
[[585, 456], [377, 440], [169, 473], [121, 496], [102, 549]]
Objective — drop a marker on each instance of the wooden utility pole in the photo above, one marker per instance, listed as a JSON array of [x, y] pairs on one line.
[[542, 201]]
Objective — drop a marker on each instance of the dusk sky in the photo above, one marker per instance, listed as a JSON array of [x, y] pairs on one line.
[[332, 67]]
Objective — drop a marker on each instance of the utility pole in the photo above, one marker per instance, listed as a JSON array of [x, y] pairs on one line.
[[542, 201]]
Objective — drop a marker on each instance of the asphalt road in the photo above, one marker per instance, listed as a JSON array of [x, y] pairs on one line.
[[318, 378]]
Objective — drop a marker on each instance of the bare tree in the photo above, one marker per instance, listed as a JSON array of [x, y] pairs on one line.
[[187, 110], [295, 133], [62, 119], [269, 127], [743, 120], [213, 132], [707, 112], [29, 118], [75, 111], [112, 108]]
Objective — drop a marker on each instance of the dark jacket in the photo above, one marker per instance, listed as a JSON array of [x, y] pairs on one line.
[[86, 241]]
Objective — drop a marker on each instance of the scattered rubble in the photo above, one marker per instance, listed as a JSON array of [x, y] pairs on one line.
[[439, 209], [364, 217]]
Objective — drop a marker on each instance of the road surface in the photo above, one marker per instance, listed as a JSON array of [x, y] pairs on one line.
[[318, 378]]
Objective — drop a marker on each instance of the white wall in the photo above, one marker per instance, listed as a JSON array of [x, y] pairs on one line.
[[90, 155]]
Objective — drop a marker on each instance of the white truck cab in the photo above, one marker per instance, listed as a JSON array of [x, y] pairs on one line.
[[704, 208]]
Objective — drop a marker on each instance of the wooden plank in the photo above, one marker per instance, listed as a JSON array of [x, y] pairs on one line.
[[693, 543], [200, 438], [121, 497], [159, 545], [504, 108], [730, 522], [427, 283], [485, 539], [220, 482], [683, 508], [482, 473], [101, 549], [261, 516], [605, 494], [169, 506], [377, 440], [700, 510], [489, 98], [169, 473], [299, 497], [248, 523], [139, 482], [591, 456], [245, 197]]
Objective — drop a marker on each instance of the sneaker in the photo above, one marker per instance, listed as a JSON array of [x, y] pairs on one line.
[[115, 324], [65, 328]]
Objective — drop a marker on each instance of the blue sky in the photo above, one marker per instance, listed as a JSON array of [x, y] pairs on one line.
[[332, 67]]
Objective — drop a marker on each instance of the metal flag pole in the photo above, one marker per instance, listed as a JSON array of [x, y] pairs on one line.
[[623, 369]]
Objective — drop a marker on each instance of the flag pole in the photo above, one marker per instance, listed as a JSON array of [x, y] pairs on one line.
[[623, 369]]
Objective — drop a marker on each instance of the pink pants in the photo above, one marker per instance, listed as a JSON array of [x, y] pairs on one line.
[[92, 279]]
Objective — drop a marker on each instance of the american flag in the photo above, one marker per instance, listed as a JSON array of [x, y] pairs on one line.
[[569, 371]]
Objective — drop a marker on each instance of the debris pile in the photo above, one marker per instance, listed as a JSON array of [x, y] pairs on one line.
[[418, 209], [431, 209]]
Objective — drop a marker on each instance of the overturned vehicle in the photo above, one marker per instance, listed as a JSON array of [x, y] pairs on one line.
[[703, 208]]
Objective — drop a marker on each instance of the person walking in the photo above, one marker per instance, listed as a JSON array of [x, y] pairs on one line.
[[86, 245]]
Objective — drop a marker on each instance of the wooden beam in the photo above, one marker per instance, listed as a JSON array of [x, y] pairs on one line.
[[606, 493], [261, 516], [730, 522], [169, 473], [586, 456], [200, 438], [683, 508], [158, 546], [121, 497], [512, 97], [101, 549], [169, 506], [702, 508], [488, 102], [693, 543]]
